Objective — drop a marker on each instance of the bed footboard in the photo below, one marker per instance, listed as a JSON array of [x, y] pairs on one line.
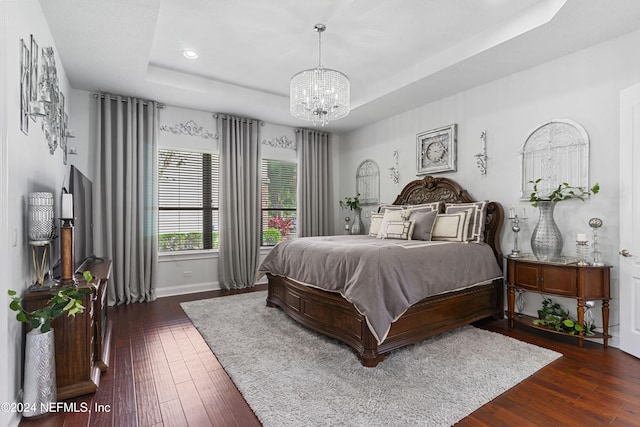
[[330, 314]]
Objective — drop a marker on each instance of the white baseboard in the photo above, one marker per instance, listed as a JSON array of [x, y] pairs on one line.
[[170, 291], [192, 288]]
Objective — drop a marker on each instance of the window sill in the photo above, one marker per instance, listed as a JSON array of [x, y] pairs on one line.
[[202, 254], [187, 255]]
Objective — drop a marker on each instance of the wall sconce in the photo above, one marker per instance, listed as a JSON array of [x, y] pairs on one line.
[[481, 158]]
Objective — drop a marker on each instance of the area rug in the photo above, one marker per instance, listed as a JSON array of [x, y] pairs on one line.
[[291, 376]]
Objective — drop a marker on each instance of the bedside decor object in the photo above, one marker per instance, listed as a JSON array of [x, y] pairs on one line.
[[40, 231], [515, 227], [521, 302], [557, 151], [436, 150], [347, 227], [319, 95], [582, 249], [481, 158], [66, 241], [595, 224], [353, 203], [546, 240]]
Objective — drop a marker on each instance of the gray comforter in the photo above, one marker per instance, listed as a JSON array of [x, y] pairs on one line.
[[382, 278]]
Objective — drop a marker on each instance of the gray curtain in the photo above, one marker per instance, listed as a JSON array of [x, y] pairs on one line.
[[240, 213], [125, 201], [315, 213]]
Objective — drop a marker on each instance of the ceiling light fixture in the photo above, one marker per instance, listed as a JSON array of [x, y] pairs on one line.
[[190, 54], [320, 95]]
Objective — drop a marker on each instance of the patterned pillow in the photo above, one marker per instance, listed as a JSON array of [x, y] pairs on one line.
[[425, 207], [392, 215], [475, 232], [451, 227], [423, 224], [399, 230], [376, 223]]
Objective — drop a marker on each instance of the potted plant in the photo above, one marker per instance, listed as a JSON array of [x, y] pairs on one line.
[[39, 366], [553, 316], [353, 203], [546, 240], [563, 192]]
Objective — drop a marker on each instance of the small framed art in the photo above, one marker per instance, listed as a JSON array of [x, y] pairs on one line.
[[436, 150]]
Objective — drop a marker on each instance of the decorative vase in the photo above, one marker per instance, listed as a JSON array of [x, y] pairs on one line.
[[39, 373], [357, 227], [546, 240]]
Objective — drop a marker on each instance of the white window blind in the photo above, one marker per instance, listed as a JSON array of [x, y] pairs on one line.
[[188, 190], [279, 201]]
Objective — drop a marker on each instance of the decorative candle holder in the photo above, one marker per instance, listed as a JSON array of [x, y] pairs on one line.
[[67, 276], [515, 227], [347, 226], [596, 223], [582, 251], [521, 302], [589, 318]]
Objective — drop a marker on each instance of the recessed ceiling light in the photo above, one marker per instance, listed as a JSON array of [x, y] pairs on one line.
[[190, 54]]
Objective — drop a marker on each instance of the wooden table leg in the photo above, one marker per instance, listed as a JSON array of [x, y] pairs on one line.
[[605, 322], [581, 320]]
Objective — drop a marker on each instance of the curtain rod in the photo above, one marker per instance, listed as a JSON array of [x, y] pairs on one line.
[[115, 98], [226, 116]]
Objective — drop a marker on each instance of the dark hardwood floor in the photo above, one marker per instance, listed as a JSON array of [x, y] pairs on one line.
[[162, 373]]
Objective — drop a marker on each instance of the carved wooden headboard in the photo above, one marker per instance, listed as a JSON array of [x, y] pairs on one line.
[[431, 189]]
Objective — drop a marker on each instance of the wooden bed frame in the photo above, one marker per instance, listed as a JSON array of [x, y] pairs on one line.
[[330, 314]]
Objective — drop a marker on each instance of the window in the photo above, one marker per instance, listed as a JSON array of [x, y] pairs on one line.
[[279, 183], [188, 185]]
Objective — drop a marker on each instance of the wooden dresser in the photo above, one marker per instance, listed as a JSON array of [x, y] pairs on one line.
[[82, 343]]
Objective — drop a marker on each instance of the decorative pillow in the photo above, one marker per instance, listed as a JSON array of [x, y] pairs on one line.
[[392, 215], [383, 208], [376, 222], [428, 207], [423, 224], [399, 230], [425, 207], [451, 227], [475, 232]]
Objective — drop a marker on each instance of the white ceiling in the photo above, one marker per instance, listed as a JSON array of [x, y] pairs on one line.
[[397, 54]]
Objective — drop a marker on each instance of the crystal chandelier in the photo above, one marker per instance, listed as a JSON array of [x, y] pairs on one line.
[[320, 95]]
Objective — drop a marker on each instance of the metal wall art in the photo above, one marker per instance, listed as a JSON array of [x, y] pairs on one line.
[[368, 182], [556, 152], [282, 142], [25, 85], [436, 150], [41, 96], [189, 128]]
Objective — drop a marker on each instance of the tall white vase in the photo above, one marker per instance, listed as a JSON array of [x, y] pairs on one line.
[[39, 373]]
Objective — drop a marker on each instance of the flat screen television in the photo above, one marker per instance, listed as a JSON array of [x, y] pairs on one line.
[[81, 188]]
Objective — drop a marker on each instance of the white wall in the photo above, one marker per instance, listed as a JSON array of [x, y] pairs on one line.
[[583, 86], [27, 166]]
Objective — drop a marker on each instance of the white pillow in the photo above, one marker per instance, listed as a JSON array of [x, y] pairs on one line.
[[376, 222], [451, 227], [392, 215], [399, 230]]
